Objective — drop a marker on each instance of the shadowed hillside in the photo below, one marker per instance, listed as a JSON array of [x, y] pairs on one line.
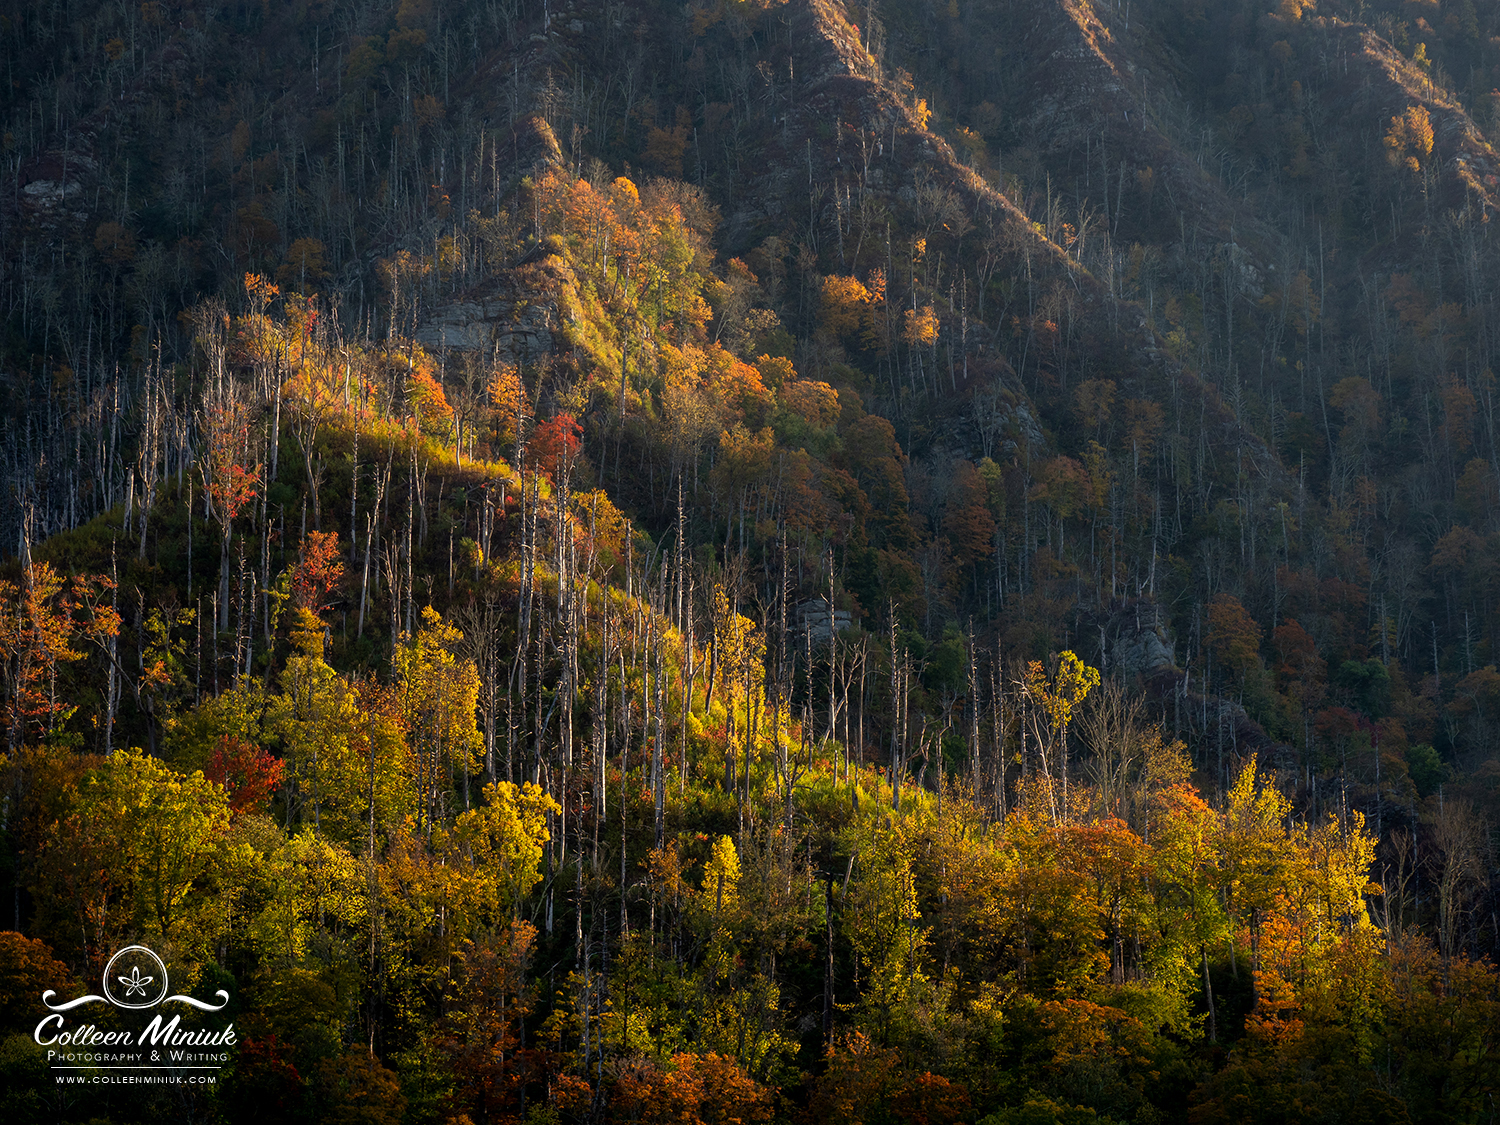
[[924, 562]]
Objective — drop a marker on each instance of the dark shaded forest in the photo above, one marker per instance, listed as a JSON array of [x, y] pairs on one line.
[[760, 561]]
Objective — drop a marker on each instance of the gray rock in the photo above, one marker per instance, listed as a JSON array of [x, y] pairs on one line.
[[496, 323], [1140, 642]]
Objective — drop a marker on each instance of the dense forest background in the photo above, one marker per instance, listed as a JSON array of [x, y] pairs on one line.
[[758, 561]]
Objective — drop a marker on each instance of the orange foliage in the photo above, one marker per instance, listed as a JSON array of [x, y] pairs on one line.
[[697, 1090], [1081, 1029], [507, 392], [806, 508], [1409, 138], [1459, 412], [319, 569], [429, 405], [739, 387], [39, 619], [921, 329], [816, 403], [248, 773], [1233, 634], [930, 1099], [480, 1034], [1063, 484], [1301, 670], [854, 1082], [27, 969], [231, 480], [844, 303]]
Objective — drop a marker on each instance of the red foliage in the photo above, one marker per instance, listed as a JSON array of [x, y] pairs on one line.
[[318, 570], [232, 482], [1335, 723], [265, 1085], [930, 1099], [247, 772], [481, 1034], [555, 443], [1301, 670], [970, 527]]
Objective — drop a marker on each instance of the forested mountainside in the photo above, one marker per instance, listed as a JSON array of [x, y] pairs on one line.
[[758, 561]]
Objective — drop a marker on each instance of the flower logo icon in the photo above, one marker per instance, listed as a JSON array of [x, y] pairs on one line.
[[135, 984], [135, 978], [135, 988]]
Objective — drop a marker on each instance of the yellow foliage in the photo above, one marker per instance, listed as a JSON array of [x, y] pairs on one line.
[[439, 693], [775, 371], [1409, 138], [843, 304], [721, 874], [494, 852], [816, 403], [921, 327], [1069, 688]]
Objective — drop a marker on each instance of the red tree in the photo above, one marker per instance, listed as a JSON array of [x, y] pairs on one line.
[[318, 571], [556, 443], [247, 772]]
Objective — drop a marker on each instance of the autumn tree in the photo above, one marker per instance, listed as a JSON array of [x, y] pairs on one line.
[[40, 618], [141, 852], [1054, 702], [1233, 636], [555, 446], [967, 520], [231, 475], [438, 694], [318, 572]]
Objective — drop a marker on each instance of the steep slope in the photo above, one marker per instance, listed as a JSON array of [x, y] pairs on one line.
[[1189, 276]]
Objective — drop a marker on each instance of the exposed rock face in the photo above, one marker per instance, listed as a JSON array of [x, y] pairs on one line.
[[813, 619], [56, 186], [1138, 642], [510, 317], [1146, 653], [1004, 418], [496, 319]]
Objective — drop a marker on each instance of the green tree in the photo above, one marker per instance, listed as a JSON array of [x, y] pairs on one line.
[[140, 853]]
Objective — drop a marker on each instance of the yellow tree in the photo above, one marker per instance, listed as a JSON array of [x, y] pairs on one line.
[[139, 854], [438, 692], [313, 717], [1042, 914], [1256, 857], [493, 855], [1409, 139], [1053, 705], [1318, 948], [308, 886], [885, 926], [740, 654], [1186, 880]]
